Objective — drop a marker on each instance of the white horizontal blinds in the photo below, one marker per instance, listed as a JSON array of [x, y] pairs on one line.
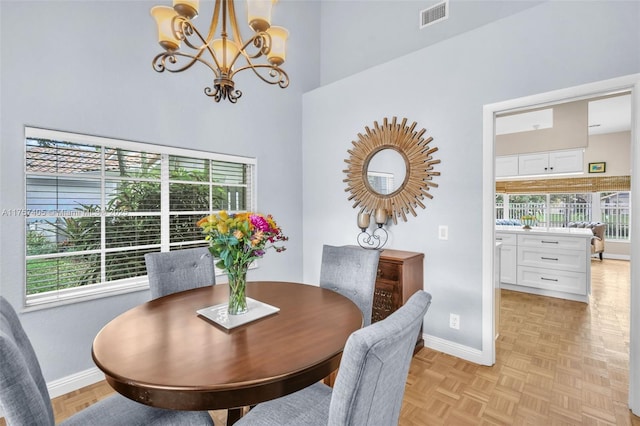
[[132, 211], [189, 188], [63, 204], [197, 187], [95, 206], [230, 184]]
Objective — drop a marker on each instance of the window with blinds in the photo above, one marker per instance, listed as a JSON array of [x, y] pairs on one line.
[[95, 206]]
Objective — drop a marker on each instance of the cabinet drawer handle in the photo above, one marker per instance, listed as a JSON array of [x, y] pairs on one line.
[[549, 279], [499, 238], [549, 258], [549, 242]]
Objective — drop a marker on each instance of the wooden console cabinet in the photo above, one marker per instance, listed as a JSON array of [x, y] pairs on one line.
[[400, 274]]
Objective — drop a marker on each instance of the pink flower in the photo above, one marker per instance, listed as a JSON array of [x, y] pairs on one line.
[[259, 223]]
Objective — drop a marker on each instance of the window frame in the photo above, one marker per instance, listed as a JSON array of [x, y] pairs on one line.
[[140, 282], [594, 208]]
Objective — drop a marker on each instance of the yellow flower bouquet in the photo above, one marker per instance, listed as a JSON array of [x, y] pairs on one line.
[[236, 240]]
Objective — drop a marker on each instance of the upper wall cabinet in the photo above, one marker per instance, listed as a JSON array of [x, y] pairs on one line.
[[506, 165], [543, 163]]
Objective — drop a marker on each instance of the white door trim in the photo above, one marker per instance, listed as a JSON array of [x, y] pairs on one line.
[[630, 82]]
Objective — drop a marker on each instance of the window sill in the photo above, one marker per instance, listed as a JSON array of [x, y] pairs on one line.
[[82, 294]]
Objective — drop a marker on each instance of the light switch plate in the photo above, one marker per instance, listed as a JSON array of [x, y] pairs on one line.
[[443, 232]]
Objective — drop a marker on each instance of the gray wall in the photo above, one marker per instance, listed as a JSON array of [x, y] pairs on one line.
[[360, 34], [86, 67], [443, 88]]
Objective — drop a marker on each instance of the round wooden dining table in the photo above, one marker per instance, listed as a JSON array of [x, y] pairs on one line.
[[163, 354]]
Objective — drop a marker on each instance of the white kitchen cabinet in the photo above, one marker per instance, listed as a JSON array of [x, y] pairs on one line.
[[566, 161], [506, 165], [552, 262], [551, 162], [508, 257]]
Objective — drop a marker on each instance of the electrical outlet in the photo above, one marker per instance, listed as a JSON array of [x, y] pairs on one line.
[[454, 321], [443, 232]]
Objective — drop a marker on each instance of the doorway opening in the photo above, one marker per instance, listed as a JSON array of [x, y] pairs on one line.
[[629, 84]]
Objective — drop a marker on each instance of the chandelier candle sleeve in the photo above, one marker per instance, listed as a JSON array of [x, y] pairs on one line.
[[187, 8], [164, 17], [259, 14], [277, 54]]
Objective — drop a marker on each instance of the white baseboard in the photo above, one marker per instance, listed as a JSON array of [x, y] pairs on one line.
[[455, 349], [74, 382], [613, 256]]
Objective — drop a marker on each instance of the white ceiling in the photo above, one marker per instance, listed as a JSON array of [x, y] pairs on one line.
[[607, 115]]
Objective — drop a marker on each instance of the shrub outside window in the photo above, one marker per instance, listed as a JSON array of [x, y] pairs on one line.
[[95, 206]]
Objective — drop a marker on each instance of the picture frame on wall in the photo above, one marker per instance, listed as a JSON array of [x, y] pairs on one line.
[[597, 167]]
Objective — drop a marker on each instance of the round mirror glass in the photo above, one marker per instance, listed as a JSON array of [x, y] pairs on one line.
[[386, 171]]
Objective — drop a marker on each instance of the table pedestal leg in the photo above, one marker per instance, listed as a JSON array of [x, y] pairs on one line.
[[233, 415]]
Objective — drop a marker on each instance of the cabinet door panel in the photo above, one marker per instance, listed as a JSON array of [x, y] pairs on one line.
[[533, 164], [508, 262], [386, 299], [566, 161], [507, 165]]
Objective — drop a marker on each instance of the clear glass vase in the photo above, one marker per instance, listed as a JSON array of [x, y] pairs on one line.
[[237, 290]]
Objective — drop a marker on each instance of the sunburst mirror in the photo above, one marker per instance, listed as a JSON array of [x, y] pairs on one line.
[[391, 167]]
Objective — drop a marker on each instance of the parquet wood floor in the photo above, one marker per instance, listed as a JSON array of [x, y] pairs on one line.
[[558, 363]]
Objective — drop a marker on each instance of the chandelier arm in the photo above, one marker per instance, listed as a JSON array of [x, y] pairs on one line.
[[234, 22], [261, 41], [187, 29], [214, 22], [159, 62], [276, 75]]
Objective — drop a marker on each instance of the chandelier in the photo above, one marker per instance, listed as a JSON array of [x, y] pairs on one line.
[[221, 51]]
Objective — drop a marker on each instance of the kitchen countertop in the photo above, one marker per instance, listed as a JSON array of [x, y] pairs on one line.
[[578, 232]]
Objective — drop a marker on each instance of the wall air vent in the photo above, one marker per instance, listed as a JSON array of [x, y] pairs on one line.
[[434, 14]]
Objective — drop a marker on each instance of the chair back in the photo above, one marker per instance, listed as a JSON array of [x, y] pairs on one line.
[[351, 271], [374, 367], [598, 230], [24, 397], [179, 270]]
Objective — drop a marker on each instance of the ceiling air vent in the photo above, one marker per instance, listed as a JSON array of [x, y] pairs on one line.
[[434, 14]]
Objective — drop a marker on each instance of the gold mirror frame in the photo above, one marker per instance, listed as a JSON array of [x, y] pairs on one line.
[[419, 163]]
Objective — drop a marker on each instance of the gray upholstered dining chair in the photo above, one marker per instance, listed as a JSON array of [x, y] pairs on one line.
[[351, 271], [370, 383], [179, 270], [24, 398]]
